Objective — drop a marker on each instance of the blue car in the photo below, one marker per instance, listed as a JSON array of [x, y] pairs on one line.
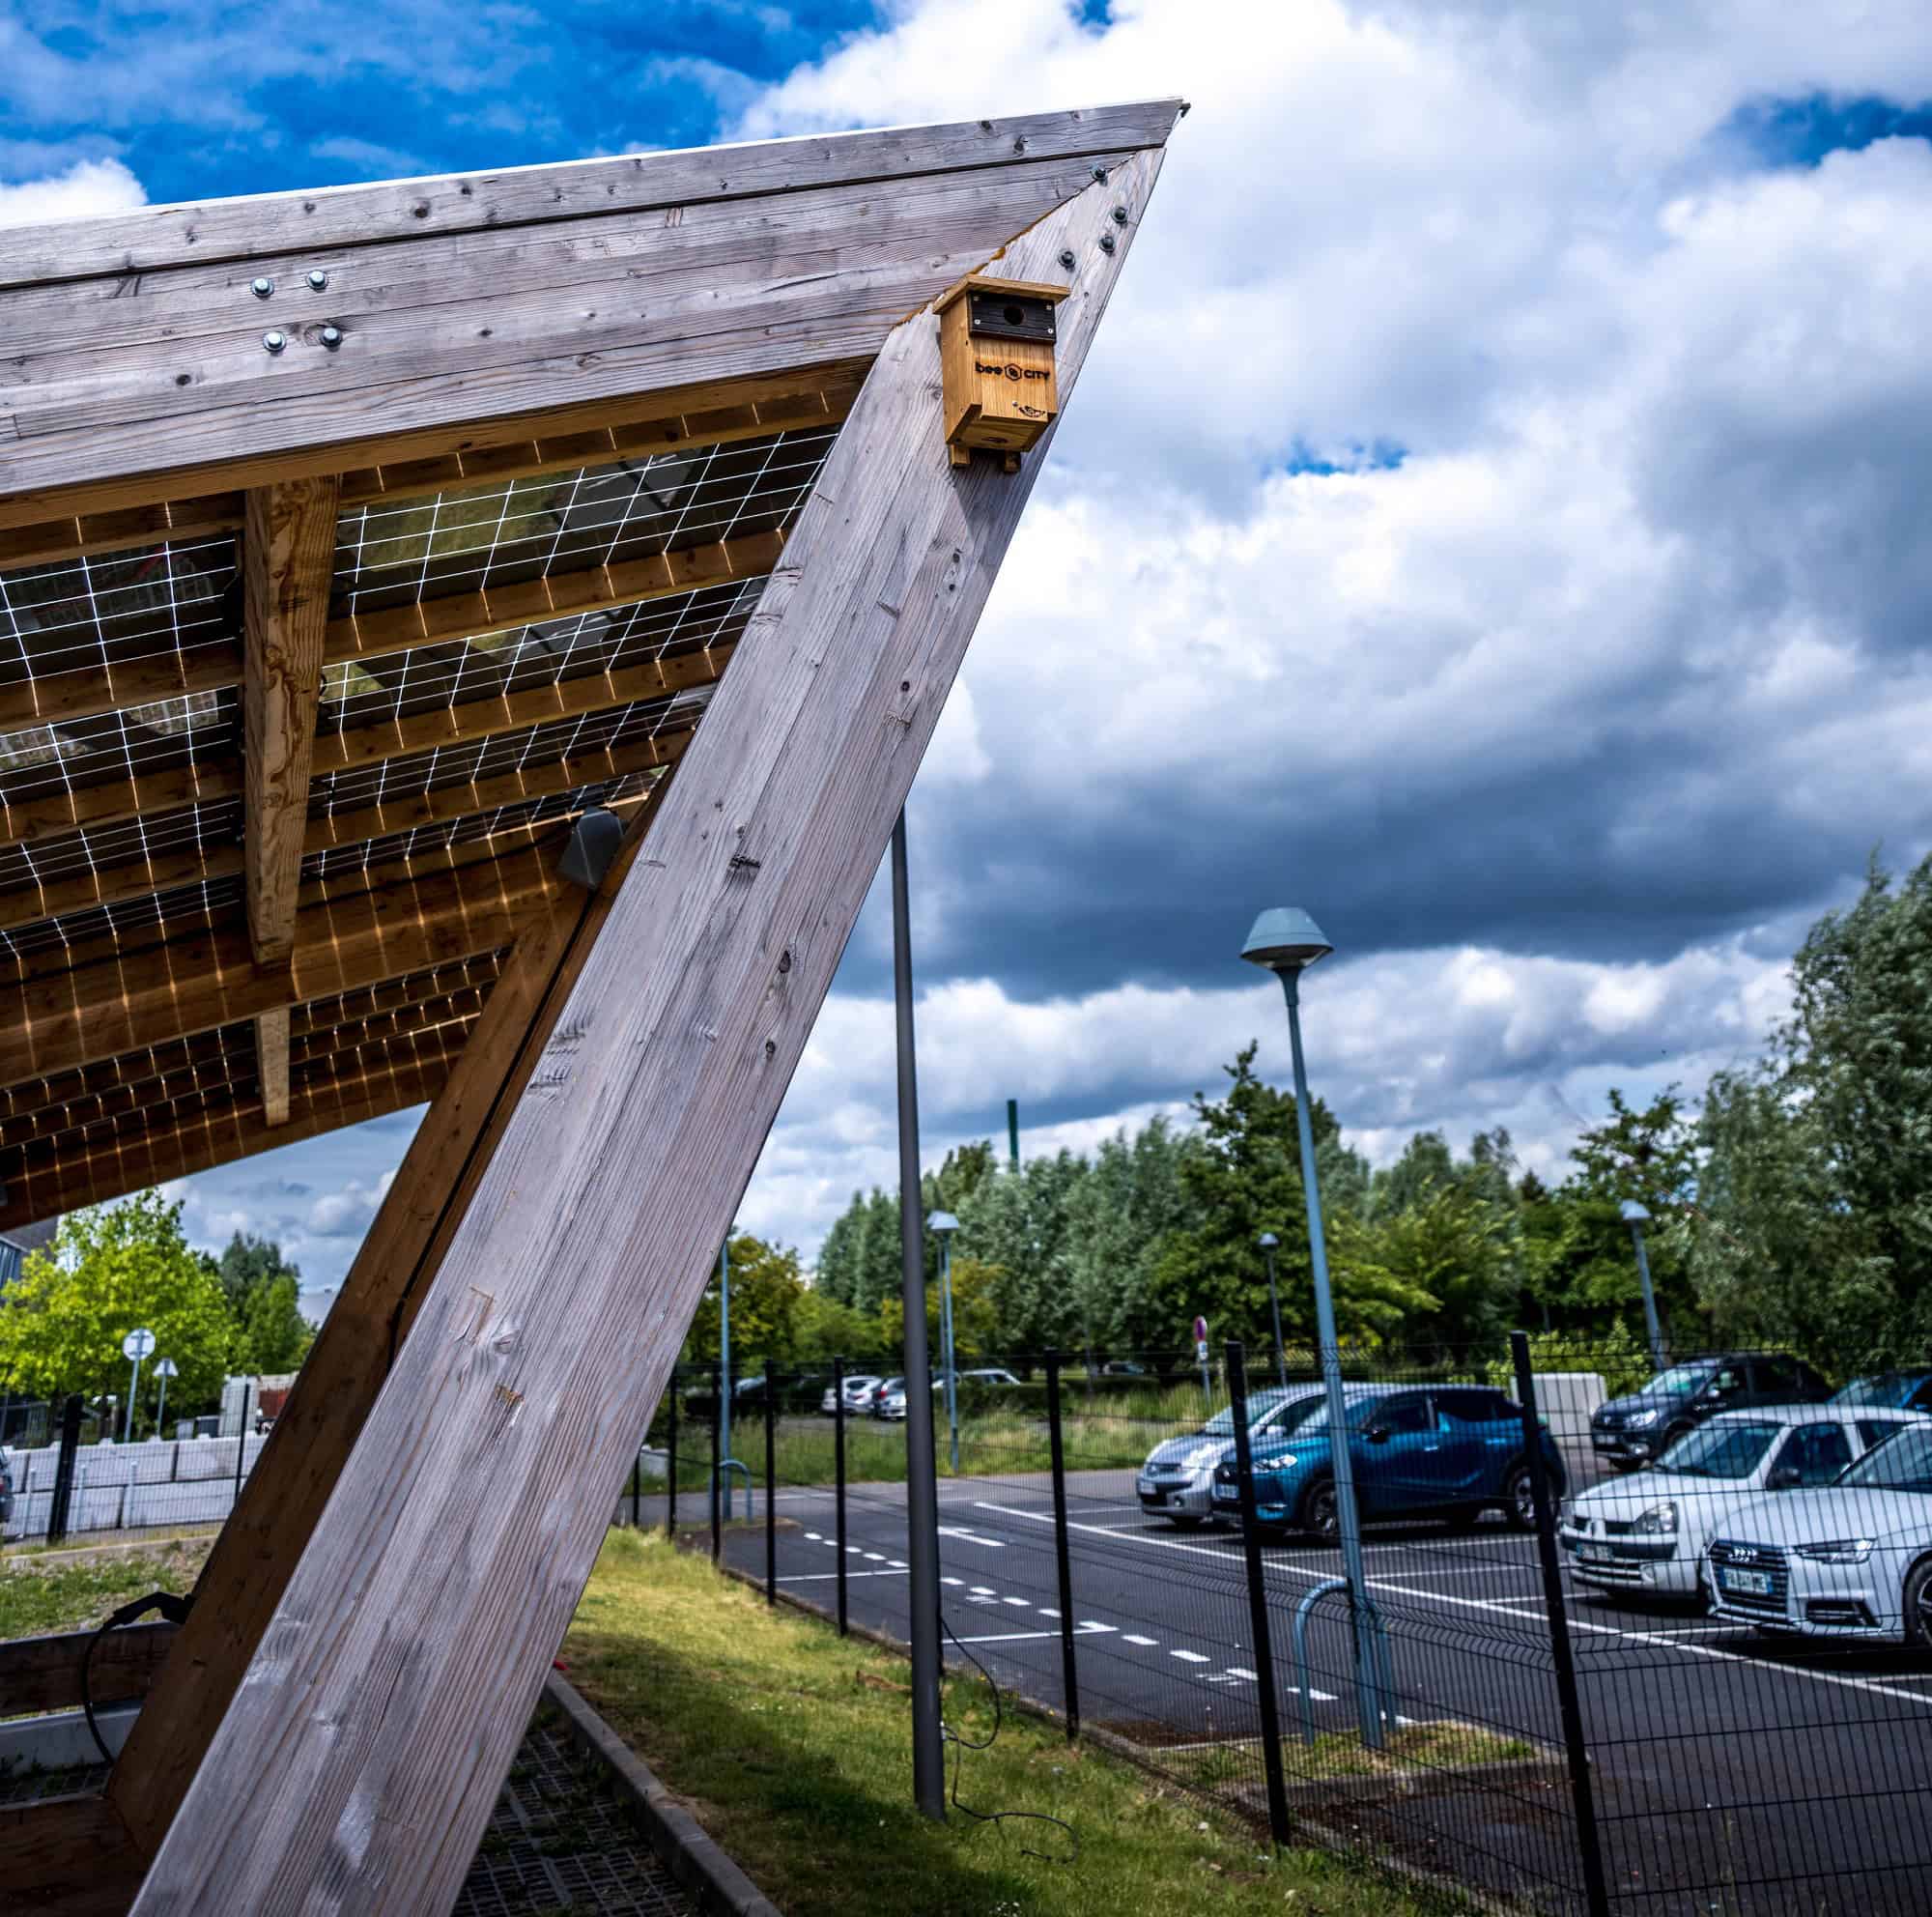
[[1896, 1390], [1450, 1451]]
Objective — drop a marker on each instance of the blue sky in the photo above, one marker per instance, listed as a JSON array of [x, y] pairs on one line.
[[1539, 594]]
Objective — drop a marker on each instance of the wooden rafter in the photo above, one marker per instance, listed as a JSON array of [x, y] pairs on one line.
[[288, 550], [673, 1051]]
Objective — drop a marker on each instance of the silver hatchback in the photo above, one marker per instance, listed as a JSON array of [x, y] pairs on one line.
[[1178, 1480]]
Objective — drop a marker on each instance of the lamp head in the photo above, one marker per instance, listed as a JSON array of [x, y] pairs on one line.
[[1284, 939], [1268, 1241], [942, 1221], [1633, 1213]]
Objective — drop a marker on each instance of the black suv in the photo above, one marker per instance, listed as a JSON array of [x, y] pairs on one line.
[[1628, 1432]]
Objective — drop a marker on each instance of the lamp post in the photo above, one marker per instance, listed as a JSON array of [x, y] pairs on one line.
[[944, 1224], [1267, 1243], [725, 1370], [1637, 1218], [1286, 941], [165, 1370]]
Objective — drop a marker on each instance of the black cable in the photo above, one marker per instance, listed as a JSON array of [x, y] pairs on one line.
[[174, 1608], [959, 1744]]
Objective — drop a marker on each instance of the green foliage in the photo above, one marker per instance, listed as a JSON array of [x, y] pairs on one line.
[[273, 1337], [1617, 1356], [116, 1268], [767, 1291]]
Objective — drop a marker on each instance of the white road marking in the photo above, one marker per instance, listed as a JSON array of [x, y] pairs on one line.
[[972, 1537], [983, 1590], [826, 1577], [1020, 1601], [1145, 1644], [1188, 1656], [897, 1564], [952, 1581], [1092, 1624], [1046, 1613], [1662, 1638], [876, 1556]]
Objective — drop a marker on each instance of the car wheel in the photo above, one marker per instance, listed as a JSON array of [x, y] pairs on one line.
[[1319, 1514], [1918, 1604], [1518, 1498], [1672, 1433]]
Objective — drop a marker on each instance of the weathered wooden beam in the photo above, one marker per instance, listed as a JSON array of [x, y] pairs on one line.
[[789, 402], [34, 821], [43, 1674], [145, 371], [68, 1179], [554, 1318], [192, 985], [271, 1064], [253, 1559], [68, 1855]]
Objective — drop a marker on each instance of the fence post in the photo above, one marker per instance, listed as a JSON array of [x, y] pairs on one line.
[[637, 1489], [1257, 1609], [670, 1462], [1070, 1677], [70, 1446], [242, 1445], [1596, 1888], [771, 1484], [838, 1481], [716, 1459]]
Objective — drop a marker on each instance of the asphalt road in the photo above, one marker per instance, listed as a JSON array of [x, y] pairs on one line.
[[1729, 1775]]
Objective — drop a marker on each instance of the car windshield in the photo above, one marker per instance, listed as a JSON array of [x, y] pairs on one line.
[[1882, 1388], [1681, 1381], [1222, 1423], [1720, 1451], [1360, 1411], [1903, 1462]]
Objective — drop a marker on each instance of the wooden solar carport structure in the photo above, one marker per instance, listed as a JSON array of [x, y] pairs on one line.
[[355, 546]]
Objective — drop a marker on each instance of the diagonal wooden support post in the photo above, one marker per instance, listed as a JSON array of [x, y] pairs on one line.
[[355, 1767]]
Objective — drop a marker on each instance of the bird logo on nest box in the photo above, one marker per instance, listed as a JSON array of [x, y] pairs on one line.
[[996, 340]]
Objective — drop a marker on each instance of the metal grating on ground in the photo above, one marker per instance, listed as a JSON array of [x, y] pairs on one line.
[[561, 1838]]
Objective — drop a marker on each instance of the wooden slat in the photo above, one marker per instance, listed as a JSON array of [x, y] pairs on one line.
[[439, 329], [73, 1179], [557, 1310], [271, 1063], [114, 885], [34, 822], [70, 1855], [51, 541], [119, 245], [252, 1559], [288, 552], [192, 985], [43, 1674], [458, 616]]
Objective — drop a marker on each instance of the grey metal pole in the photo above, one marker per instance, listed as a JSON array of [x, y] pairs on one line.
[[1274, 1306], [1013, 1132], [947, 1357], [1367, 1690], [725, 1367], [1651, 1324], [928, 1754], [1259, 1627], [133, 1386], [161, 1411]]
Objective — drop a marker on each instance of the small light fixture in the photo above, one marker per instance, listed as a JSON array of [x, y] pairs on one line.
[[593, 844], [1286, 939]]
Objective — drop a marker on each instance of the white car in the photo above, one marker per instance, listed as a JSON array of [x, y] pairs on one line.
[[858, 1395], [1648, 1532], [1853, 1561]]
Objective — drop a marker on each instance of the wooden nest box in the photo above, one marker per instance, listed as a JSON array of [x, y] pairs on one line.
[[995, 347]]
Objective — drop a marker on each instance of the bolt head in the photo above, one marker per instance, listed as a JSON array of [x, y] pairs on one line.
[[318, 280], [331, 337], [274, 339], [1100, 173], [1120, 215], [1106, 242], [262, 288], [1067, 259]]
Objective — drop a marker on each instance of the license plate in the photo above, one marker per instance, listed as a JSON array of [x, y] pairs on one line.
[[1595, 1553], [1603, 1444], [1145, 1487], [1227, 1494], [1758, 1584]]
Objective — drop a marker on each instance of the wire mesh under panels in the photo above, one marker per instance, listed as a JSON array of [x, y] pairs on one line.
[[391, 553]]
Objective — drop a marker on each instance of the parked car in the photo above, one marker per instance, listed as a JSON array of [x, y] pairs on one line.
[[1630, 1431], [1177, 1482], [991, 1374], [1902, 1390], [1451, 1452], [1850, 1561], [1124, 1367], [857, 1391], [1650, 1532]]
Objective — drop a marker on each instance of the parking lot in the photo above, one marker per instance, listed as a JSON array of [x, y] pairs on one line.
[[1729, 1772]]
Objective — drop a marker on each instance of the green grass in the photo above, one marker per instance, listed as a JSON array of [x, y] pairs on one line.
[[51, 1597], [793, 1749], [1444, 1744]]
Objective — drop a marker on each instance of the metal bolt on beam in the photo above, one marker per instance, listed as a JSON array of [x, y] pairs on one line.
[[1106, 242], [274, 339], [262, 288], [331, 337], [1066, 258], [317, 281]]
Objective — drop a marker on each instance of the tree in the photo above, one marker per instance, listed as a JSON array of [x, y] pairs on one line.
[[1244, 1177], [249, 1261], [767, 1289], [1023, 1227], [1120, 1217], [114, 1268], [273, 1336]]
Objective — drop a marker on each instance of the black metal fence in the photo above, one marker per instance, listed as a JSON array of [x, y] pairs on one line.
[[1651, 1652]]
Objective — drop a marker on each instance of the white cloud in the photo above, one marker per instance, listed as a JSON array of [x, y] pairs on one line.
[[86, 189]]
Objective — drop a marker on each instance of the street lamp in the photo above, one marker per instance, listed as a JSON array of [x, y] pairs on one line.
[[1637, 1218], [1286, 941], [165, 1370], [1267, 1243], [944, 1224]]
